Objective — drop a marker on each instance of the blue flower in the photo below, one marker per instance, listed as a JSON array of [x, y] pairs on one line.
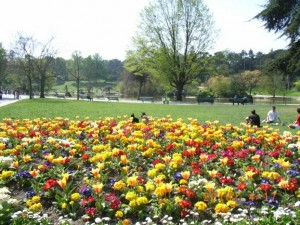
[[178, 176], [112, 182], [265, 181], [86, 191], [272, 202], [296, 161], [251, 203], [293, 173], [64, 153], [46, 151], [24, 174], [30, 193], [277, 165], [81, 136], [295, 148]]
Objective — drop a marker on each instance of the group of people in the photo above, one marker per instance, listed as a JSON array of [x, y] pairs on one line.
[[144, 117], [272, 117]]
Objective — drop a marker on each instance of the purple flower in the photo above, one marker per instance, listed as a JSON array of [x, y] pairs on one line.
[[272, 202], [46, 151], [86, 191], [30, 193], [64, 153], [24, 174], [178, 176], [81, 136], [265, 181], [259, 152], [112, 182], [293, 173], [296, 161], [277, 165], [251, 203]]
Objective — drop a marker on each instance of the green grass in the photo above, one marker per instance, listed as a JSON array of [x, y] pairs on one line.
[[224, 113]]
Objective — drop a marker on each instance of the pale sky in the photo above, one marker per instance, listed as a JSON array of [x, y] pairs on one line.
[[107, 26]]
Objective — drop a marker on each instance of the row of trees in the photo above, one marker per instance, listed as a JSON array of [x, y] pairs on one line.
[[176, 35], [170, 52], [32, 66]]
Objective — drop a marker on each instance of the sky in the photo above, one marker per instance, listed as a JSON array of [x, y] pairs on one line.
[[106, 27]]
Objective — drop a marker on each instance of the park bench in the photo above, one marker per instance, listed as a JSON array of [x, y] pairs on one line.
[[88, 97], [100, 96], [210, 100], [242, 101], [144, 99], [57, 95], [110, 98]]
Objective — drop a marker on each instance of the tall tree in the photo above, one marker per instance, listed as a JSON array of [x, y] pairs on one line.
[[43, 63], [250, 79], [75, 69], [115, 68], [3, 64], [272, 83], [284, 17], [94, 69], [24, 55], [59, 68], [175, 35]]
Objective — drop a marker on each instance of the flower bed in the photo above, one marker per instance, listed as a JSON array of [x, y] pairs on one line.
[[112, 171]]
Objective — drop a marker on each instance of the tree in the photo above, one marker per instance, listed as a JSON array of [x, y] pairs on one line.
[[43, 63], [175, 34], [250, 79], [24, 55], [94, 69], [115, 68], [34, 59], [272, 83], [75, 69], [284, 16], [3, 65], [220, 86], [136, 65], [59, 68]]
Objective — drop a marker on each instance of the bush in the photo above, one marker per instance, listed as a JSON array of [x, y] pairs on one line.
[[204, 94]]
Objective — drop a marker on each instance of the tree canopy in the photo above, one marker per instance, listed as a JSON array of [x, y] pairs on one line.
[[175, 34], [282, 16]]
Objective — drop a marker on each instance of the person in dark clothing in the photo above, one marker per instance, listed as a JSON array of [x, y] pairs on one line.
[[253, 119], [134, 119]]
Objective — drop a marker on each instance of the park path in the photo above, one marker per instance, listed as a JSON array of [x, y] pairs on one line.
[[9, 99]]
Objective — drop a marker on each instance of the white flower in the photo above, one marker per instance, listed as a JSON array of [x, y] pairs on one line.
[[12, 201], [98, 220], [4, 190], [6, 160], [297, 204], [106, 218]]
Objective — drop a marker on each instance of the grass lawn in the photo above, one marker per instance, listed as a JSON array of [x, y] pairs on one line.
[[162, 172], [224, 113]]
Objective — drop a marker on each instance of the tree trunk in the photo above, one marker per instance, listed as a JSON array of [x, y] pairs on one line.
[[30, 89], [140, 90], [288, 81], [179, 93], [42, 93], [77, 83]]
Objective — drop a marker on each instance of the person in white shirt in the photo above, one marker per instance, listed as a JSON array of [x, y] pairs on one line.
[[272, 116]]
